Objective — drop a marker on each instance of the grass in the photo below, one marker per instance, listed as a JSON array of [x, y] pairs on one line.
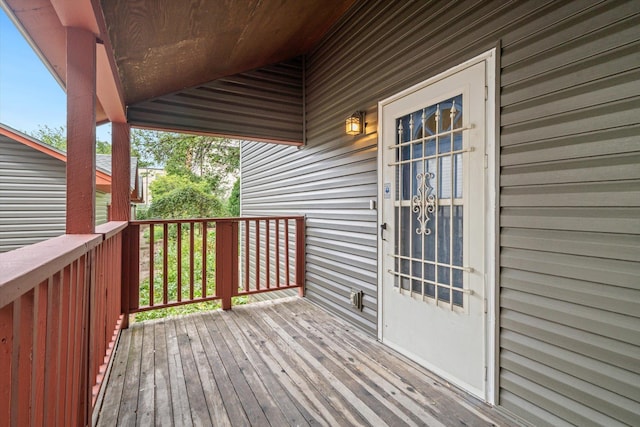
[[172, 274]]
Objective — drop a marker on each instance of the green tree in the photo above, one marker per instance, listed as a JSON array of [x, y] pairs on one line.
[[176, 197], [57, 138], [204, 159], [233, 204], [186, 202]]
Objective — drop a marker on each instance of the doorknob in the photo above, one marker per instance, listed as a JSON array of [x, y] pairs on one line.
[[383, 227]]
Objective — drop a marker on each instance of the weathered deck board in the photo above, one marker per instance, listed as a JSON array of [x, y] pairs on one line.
[[276, 363]]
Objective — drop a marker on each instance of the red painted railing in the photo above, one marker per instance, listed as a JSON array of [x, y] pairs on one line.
[[199, 260], [64, 301], [59, 315]]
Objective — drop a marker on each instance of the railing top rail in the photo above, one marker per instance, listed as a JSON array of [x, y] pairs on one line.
[[111, 228], [226, 219], [23, 269]]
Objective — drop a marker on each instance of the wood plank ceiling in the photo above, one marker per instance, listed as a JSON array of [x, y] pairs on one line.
[[163, 46], [150, 48]]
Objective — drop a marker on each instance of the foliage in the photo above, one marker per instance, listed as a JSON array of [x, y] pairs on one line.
[[142, 212], [57, 138], [233, 204], [172, 276], [178, 197], [199, 158]]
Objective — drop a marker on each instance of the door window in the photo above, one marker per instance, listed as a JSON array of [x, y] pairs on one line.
[[429, 202]]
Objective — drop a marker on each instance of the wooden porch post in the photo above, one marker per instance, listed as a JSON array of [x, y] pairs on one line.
[[120, 172], [226, 261], [81, 131]]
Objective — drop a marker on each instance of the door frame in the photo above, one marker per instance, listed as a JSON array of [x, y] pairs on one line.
[[491, 186]]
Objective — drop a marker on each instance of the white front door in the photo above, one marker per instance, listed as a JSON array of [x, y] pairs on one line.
[[432, 158]]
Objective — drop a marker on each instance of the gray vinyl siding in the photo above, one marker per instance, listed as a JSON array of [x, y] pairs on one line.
[[103, 200], [569, 157], [32, 195], [261, 104]]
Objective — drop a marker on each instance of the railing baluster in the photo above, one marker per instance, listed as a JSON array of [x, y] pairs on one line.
[[286, 250], [246, 255], [165, 262], [40, 317], [257, 255], [179, 262], [151, 262], [259, 249], [191, 256], [52, 357], [6, 360], [267, 245], [277, 246], [300, 254], [204, 259]]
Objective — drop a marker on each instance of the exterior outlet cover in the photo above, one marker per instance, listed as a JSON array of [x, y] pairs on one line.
[[356, 299]]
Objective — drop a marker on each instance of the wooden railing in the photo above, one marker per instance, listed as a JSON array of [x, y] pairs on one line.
[[59, 315], [178, 262], [64, 301]]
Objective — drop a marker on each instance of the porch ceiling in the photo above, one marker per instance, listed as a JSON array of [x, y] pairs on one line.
[[162, 46], [152, 48]]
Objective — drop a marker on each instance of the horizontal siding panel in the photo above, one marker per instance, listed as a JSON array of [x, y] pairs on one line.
[[579, 341], [338, 266], [582, 392], [533, 414], [600, 245], [619, 86], [595, 219], [347, 235], [616, 380], [568, 409], [324, 246], [260, 104], [572, 23], [612, 272], [617, 193], [602, 40], [32, 195], [605, 142], [336, 255], [613, 325], [602, 168], [614, 114], [585, 294], [591, 68]]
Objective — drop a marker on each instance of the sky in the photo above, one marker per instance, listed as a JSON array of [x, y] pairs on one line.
[[30, 97]]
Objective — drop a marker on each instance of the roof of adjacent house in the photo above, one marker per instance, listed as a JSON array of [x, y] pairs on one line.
[[103, 161]]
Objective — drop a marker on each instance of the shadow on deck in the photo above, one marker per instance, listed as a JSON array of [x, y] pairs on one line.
[[279, 363]]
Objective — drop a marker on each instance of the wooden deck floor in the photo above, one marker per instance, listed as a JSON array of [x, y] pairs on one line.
[[277, 363]]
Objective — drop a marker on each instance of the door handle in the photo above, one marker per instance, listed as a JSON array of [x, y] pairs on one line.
[[383, 227]]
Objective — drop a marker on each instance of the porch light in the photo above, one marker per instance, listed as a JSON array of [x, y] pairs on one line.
[[355, 123]]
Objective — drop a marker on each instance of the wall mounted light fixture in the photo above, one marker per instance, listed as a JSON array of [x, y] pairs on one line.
[[354, 125]]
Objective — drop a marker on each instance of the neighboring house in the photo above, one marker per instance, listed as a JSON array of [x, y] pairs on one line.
[[103, 161], [147, 176], [33, 190]]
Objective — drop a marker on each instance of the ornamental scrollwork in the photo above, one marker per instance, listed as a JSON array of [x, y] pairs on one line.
[[423, 203]]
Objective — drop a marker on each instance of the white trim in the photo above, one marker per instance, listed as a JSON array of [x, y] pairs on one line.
[[489, 58], [491, 185], [480, 58]]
